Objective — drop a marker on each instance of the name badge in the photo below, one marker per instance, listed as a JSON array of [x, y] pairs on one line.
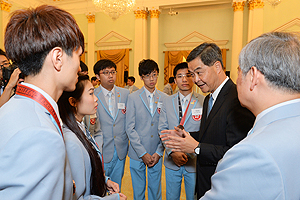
[[159, 104], [197, 111], [121, 106], [197, 114]]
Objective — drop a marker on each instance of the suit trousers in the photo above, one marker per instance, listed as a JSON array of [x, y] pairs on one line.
[[173, 183], [115, 168], [138, 178]]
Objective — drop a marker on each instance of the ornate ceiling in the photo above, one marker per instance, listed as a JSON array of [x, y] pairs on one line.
[[86, 6]]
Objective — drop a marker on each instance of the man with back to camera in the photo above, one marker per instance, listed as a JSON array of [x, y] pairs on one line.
[[130, 84], [111, 113], [224, 123], [145, 148], [170, 87], [32, 153], [185, 108]]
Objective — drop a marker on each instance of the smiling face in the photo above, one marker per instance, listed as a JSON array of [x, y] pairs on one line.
[[87, 105], [205, 77]]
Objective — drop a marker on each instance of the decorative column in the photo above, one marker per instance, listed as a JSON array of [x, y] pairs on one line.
[[140, 42], [237, 36], [90, 43], [154, 15], [4, 13], [256, 16]]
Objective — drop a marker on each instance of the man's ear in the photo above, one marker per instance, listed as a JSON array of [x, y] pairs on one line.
[[72, 101], [218, 66], [97, 76], [57, 58], [254, 77]]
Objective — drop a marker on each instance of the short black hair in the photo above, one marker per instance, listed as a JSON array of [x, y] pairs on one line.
[[93, 78], [147, 66], [3, 53], [171, 79], [209, 53], [179, 66], [83, 67], [103, 64], [132, 79]]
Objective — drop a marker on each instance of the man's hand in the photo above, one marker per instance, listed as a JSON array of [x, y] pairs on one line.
[[185, 143], [122, 196], [179, 158], [156, 158], [112, 187], [148, 159], [13, 80]]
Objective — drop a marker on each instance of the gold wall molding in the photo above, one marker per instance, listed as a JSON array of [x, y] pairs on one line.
[[154, 13], [238, 6], [141, 14], [253, 4], [91, 18], [5, 6]]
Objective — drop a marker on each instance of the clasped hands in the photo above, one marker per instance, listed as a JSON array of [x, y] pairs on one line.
[[149, 160]]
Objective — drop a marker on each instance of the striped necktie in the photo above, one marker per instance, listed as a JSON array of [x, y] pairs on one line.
[[110, 104]]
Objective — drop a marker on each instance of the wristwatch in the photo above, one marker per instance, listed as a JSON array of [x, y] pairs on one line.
[[197, 149]]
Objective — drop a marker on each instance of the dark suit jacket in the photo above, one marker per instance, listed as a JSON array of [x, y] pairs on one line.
[[227, 124]]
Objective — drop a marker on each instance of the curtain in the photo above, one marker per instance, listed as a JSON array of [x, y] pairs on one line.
[[121, 58], [172, 58]]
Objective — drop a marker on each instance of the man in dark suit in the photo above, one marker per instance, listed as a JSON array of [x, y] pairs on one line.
[[224, 121]]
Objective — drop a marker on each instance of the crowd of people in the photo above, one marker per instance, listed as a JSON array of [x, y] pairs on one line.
[[64, 136]]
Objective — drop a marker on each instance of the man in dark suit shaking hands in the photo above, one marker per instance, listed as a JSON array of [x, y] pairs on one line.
[[224, 121]]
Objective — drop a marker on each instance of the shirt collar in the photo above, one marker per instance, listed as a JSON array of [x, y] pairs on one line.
[[148, 93], [186, 97], [217, 91], [105, 91]]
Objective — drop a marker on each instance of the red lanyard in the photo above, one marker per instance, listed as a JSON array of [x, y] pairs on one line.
[[183, 118], [28, 92]]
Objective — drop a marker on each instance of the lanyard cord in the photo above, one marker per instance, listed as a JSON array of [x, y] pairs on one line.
[[28, 92]]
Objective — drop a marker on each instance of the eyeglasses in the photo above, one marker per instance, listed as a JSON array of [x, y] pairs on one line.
[[180, 76], [6, 64], [148, 76], [106, 73]]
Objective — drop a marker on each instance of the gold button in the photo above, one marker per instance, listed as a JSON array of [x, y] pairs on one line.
[[151, 124], [114, 125], [151, 135], [114, 136]]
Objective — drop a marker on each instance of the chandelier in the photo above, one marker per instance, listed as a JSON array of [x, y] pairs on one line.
[[273, 2], [114, 8]]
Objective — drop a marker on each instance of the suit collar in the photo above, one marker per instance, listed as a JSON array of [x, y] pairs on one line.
[[205, 121], [280, 111], [144, 99], [192, 105]]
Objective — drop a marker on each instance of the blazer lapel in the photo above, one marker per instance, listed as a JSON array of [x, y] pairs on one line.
[[117, 100], [103, 102], [192, 105], [145, 100], [156, 100], [217, 105], [176, 106]]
